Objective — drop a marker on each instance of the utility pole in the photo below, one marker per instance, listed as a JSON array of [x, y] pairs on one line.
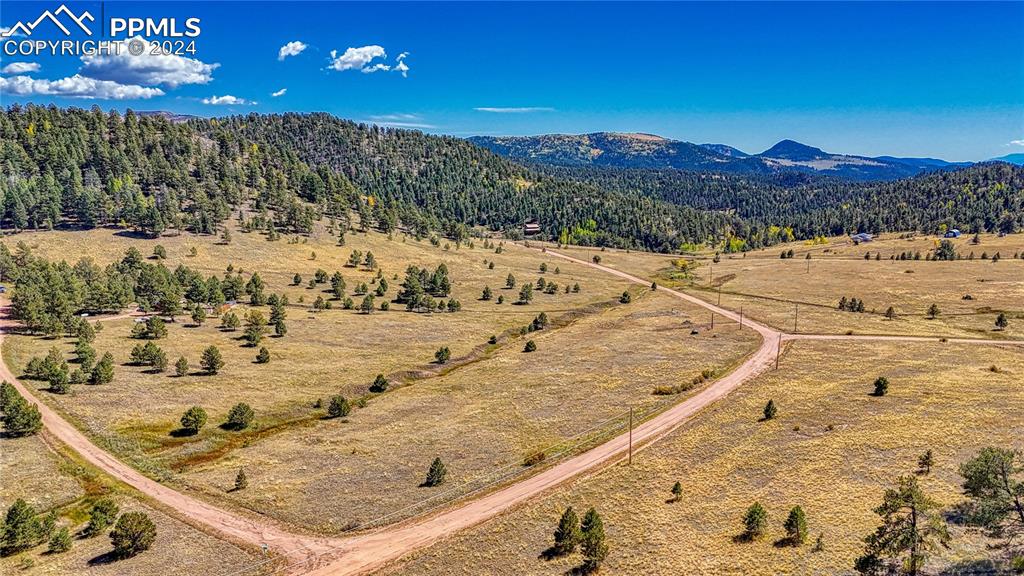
[[796, 315], [630, 435], [741, 316], [719, 295], [712, 320], [778, 352]]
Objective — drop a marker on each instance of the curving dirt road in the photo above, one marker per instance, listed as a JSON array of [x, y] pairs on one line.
[[363, 553]]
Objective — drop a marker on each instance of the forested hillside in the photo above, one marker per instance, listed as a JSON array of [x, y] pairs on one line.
[[985, 198], [88, 168]]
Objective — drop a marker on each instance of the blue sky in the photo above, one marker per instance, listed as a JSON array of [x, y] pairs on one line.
[[910, 79]]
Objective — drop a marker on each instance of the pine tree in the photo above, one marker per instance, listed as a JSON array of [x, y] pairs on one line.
[[103, 514], [339, 407], [755, 521], [796, 526], [442, 355], [1001, 321], [241, 482], [21, 528], [567, 535], [436, 474], [380, 384], [181, 367], [133, 533], [263, 356], [60, 541], [193, 420], [211, 360], [531, 346], [592, 541], [912, 527], [770, 410], [926, 461]]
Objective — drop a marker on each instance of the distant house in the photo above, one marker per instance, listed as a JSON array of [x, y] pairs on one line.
[[531, 228], [954, 233], [861, 237]]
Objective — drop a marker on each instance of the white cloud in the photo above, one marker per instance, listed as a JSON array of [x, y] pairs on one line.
[[378, 67], [401, 66], [293, 48], [1017, 142], [227, 100], [356, 58], [401, 116], [280, 92], [20, 68], [517, 110], [146, 68], [5, 30], [400, 120], [76, 86]]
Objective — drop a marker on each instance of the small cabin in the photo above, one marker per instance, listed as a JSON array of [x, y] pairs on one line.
[[531, 228], [861, 237], [954, 233]]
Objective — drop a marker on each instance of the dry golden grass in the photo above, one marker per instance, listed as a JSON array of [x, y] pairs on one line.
[[480, 418], [53, 481], [777, 292], [323, 354], [833, 449], [328, 474]]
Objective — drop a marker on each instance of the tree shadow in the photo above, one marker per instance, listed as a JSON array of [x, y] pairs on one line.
[[784, 542], [972, 568], [182, 433], [103, 559], [743, 538], [551, 553]]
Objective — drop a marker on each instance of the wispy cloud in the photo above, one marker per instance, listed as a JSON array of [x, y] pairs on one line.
[[227, 100], [514, 110], [1017, 142], [400, 120], [280, 92], [293, 48]]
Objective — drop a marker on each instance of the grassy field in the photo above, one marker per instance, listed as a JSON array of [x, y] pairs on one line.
[[833, 449], [484, 411], [53, 481], [779, 292]]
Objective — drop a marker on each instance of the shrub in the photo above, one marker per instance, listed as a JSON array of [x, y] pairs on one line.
[[60, 541], [263, 356], [625, 298], [534, 458], [339, 407], [211, 360], [380, 384], [102, 515], [133, 533], [240, 416], [241, 482], [442, 355], [881, 386], [181, 366], [531, 346], [436, 474], [193, 419]]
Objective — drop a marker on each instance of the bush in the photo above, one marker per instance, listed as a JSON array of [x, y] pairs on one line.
[[193, 419], [531, 346], [102, 515], [181, 366], [133, 533], [60, 541], [22, 418], [770, 410], [380, 384], [103, 371], [263, 356], [442, 355], [534, 458], [211, 360], [339, 407], [240, 416], [437, 473], [625, 298], [241, 481], [21, 528], [881, 386]]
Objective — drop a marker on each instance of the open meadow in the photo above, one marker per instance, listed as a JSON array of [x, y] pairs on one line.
[[833, 449], [483, 412], [970, 293]]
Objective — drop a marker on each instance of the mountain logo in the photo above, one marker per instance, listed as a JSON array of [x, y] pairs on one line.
[[26, 29]]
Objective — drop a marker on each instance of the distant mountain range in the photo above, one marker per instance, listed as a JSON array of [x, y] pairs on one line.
[[636, 150], [1017, 159]]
